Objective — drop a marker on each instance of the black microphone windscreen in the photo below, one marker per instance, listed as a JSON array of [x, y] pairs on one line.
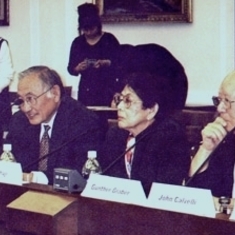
[[18, 102], [187, 183]]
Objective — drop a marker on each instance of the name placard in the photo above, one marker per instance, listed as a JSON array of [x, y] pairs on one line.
[[182, 199], [232, 216], [115, 189], [10, 173]]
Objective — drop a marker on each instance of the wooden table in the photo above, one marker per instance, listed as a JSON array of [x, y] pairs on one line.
[[97, 217]]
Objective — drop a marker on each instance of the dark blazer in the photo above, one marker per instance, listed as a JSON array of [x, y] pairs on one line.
[[73, 124], [161, 155], [218, 177], [97, 86]]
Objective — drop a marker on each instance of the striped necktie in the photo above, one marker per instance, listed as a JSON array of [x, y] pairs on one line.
[[129, 154], [44, 149]]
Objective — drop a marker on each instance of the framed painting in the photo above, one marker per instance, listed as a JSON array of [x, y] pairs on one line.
[[4, 12], [115, 11]]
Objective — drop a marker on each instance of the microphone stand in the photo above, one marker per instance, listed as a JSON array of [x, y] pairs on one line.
[[54, 151], [17, 101], [207, 159], [126, 151]]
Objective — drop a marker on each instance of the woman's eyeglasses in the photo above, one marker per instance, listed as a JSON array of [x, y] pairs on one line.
[[118, 98]]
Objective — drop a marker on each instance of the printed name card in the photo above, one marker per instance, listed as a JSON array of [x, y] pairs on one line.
[[115, 189], [232, 216], [182, 199], [10, 173]]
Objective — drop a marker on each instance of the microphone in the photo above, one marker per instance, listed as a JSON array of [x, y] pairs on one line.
[[17, 101], [54, 151], [68, 180], [124, 153], [7, 107], [208, 158]]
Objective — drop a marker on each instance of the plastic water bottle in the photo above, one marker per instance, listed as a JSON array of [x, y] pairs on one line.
[[224, 205], [7, 155], [91, 165]]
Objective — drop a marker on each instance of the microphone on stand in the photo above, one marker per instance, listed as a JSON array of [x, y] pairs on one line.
[[124, 153], [68, 180], [54, 151], [17, 101], [208, 158], [74, 180], [118, 158]]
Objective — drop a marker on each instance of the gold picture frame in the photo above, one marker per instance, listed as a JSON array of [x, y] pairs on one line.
[[118, 11], [4, 12]]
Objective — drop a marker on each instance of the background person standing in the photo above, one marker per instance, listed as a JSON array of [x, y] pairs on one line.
[[92, 55]]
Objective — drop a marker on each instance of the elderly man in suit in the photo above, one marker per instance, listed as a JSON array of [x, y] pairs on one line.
[[50, 123]]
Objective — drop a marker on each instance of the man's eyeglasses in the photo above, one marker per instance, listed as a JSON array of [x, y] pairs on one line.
[[30, 99], [217, 100], [118, 98]]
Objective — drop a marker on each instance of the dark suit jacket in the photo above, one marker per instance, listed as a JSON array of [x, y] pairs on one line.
[[73, 124], [161, 155], [218, 177]]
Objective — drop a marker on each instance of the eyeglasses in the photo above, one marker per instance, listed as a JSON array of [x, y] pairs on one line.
[[217, 100], [30, 99], [118, 98]]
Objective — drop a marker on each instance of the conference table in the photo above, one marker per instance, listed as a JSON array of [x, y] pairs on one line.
[[39, 209]]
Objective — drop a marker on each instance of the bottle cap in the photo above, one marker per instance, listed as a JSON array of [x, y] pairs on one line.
[[224, 200], [91, 154], [6, 147]]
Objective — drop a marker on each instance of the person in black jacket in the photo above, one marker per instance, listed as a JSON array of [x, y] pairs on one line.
[[93, 55], [74, 130], [213, 165], [160, 152]]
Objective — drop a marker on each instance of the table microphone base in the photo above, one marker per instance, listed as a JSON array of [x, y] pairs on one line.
[[68, 180]]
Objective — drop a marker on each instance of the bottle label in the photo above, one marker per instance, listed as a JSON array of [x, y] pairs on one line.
[[7, 156], [91, 166]]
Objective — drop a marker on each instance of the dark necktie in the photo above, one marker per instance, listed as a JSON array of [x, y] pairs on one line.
[[44, 149]]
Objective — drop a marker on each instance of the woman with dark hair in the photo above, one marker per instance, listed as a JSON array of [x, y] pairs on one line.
[[158, 146], [92, 55]]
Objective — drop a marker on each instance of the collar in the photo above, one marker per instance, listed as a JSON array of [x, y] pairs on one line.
[[50, 123], [146, 130]]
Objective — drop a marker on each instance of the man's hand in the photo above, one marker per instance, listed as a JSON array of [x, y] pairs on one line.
[[213, 134]]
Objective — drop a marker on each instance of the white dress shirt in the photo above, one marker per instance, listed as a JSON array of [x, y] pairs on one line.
[[50, 123]]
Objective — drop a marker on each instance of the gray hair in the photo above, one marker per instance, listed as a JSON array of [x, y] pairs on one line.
[[48, 76]]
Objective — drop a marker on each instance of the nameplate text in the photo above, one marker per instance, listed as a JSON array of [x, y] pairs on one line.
[[182, 199], [115, 189], [10, 173]]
